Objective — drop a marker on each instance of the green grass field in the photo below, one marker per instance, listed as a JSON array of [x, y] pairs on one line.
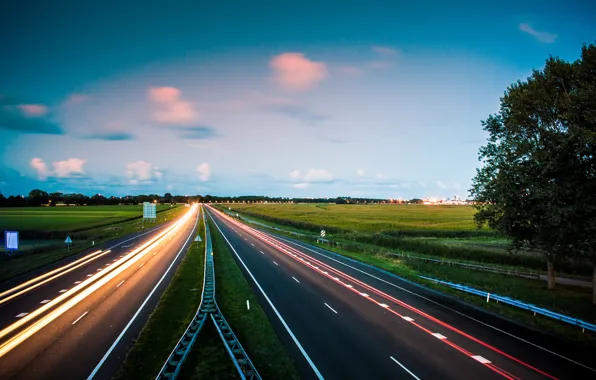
[[67, 218], [371, 218]]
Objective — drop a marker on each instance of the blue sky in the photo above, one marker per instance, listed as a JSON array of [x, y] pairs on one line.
[[379, 99]]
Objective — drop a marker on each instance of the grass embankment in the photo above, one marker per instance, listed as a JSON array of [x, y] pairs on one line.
[[568, 300], [252, 327], [37, 257], [176, 308]]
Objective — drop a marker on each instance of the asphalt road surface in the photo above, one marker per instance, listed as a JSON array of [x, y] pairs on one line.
[[346, 320], [78, 318]]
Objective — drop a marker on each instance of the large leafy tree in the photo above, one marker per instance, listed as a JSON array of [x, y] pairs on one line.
[[537, 184]]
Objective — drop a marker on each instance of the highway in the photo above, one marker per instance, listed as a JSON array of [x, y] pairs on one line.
[[345, 320], [78, 318]]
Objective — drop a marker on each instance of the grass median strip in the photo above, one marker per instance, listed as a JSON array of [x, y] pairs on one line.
[[252, 327], [176, 308]]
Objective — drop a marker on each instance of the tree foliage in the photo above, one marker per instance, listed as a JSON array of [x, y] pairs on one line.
[[538, 182]]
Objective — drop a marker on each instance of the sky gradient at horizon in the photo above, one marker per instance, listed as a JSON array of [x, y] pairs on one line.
[[305, 100]]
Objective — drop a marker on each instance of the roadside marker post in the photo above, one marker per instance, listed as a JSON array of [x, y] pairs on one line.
[[11, 241], [322, 233], [198, 238], [68, 242]]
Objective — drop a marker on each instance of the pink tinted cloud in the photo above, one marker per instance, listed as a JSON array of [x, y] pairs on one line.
[[33, 110], [296, 72], [169, 108], [40, 167], [77, 99]]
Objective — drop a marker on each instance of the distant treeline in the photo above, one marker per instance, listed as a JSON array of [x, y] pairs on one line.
[[39, 197]]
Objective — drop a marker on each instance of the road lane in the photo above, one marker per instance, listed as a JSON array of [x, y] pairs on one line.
[[480, 345], [67, 349]]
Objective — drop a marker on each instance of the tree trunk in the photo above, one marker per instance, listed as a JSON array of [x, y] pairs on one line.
[[551, 274], [594, 284]]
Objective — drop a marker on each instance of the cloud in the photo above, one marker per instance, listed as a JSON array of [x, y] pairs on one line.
[[294, 71], [33, 110], [26, 118], [69, 168], [301, 185], [293, 109], [76, 99], [142, 172], [312, 176], [441, 185], [204, 171], [384, 51], [360, 173], [197, 132], [169, 108], [540, 36], [111, 136], [381, 176], [295, 174]]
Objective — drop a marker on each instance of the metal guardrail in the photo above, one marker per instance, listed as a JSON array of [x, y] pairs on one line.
[[208, 308], [513, 302]]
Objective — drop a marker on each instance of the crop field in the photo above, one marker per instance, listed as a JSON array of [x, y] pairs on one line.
[[372, 218], [67, 218]]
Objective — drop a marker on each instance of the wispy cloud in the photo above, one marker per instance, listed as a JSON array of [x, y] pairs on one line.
[[312, 176], [293, 71], [384, 51], [76, 99], [293, 109], [197, 132], [27, 117], [69, 168], [540, 36], [111, 136]]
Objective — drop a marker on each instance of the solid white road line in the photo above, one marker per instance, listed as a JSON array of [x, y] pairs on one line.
[[331, 308], [275, 263], [107, 354], [121, 282], [295, 279], [81, 317], [404, 368], [283, 322], [21, 315]]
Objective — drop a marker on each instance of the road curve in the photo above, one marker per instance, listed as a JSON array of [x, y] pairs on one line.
[[81, 322], [344, 319]]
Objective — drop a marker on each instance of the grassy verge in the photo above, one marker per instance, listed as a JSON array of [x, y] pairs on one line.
[[176, 308], [252, 327], [568, 300], [355, 225], [12, 266]]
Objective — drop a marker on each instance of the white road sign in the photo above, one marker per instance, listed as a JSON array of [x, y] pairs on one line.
[[322, 233], [11, 240]]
